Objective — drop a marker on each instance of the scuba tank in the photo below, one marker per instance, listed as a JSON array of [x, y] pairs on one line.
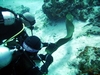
[[5, 56]]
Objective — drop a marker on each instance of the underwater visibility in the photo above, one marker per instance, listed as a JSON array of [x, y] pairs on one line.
[[49, 37]]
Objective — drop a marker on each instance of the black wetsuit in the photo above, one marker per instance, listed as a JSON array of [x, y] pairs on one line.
[[21, 63]]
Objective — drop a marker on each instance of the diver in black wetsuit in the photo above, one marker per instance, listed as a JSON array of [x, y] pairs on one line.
[[23, 63], [11, 27]]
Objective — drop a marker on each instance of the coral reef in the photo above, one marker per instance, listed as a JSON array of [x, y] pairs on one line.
[[83, 10], [89, 61], [80, 9]]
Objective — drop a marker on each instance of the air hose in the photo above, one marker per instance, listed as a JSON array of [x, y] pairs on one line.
[[70, 30], [14, 35]]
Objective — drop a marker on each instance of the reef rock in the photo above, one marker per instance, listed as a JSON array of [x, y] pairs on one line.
[[89, 61], [80, 9]]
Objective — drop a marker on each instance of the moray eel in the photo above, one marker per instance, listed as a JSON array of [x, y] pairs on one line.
[[70, 30]]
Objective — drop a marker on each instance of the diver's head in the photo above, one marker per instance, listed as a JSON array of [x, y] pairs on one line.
[[5, 56], [8, 18], [32, 44], [28, 19]]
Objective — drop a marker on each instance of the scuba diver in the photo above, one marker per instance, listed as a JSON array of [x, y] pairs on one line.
[[18, 50], [12, 25], [21, 61]]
